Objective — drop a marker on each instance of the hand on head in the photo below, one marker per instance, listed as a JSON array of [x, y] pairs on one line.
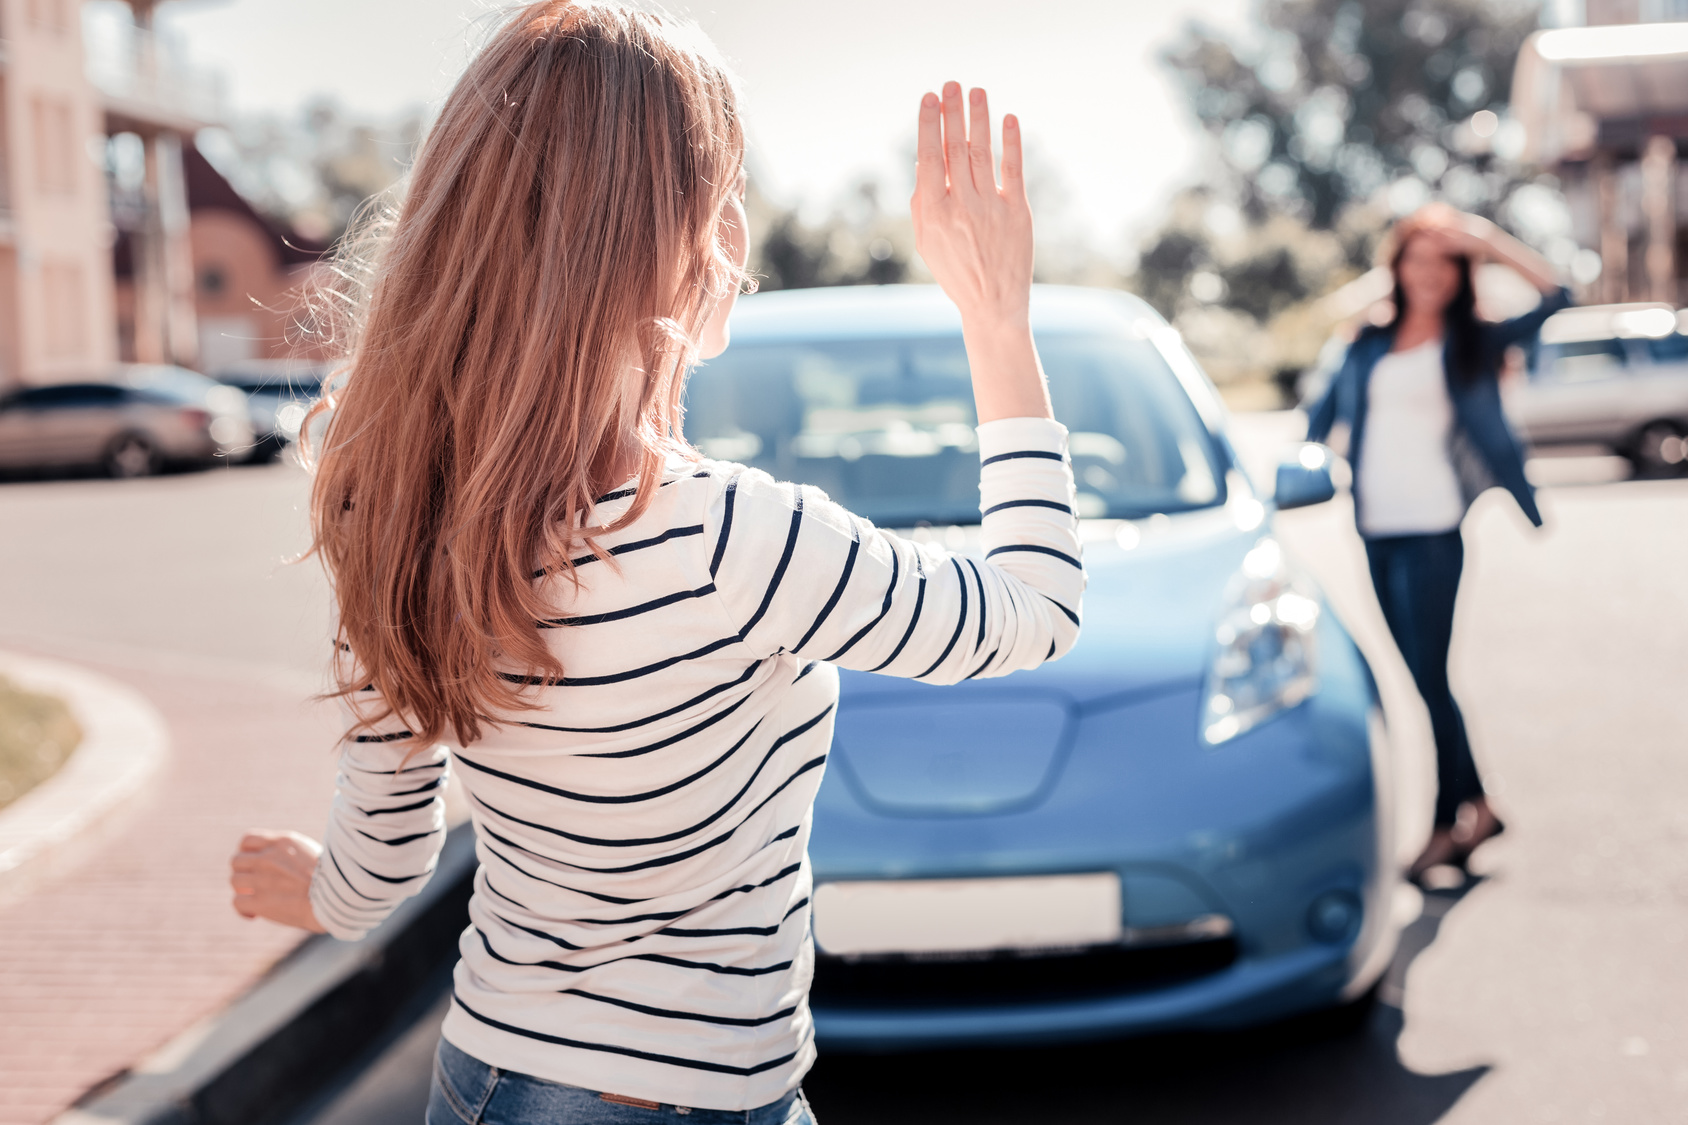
[[271, 877], [1453, 231], [974, 234]]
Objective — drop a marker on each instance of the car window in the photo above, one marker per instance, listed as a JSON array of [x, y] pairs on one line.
[[67, 396], [886, 427], [1668, 349], [1585, 361]]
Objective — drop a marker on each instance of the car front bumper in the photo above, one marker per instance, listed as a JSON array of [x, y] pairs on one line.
[[1249, 992]]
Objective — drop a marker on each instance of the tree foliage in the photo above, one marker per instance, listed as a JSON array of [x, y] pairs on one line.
[[1343, 97]]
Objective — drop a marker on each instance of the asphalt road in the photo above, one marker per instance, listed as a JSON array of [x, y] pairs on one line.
[[1550, 989]]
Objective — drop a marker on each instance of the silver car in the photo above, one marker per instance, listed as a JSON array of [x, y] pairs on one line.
[[1610, 375], [279, 393], [138, 420]]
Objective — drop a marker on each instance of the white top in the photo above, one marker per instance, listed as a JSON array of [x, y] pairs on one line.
[[1405, 480], [640, 920]]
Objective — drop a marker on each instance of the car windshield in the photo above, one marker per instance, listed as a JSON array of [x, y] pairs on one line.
[[886, 426]]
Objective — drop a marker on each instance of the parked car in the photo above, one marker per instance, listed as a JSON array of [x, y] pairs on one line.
[[137, 420], [279, 393], [1610, 375], [1184, 822]]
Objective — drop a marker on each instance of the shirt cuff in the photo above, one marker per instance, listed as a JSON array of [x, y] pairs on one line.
[[1021, 435]]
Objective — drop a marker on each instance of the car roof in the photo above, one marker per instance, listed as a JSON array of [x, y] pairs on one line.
[[913, 311], [1589, 323]]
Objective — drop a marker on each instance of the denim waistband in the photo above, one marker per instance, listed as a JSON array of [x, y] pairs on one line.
[[467, 1091]]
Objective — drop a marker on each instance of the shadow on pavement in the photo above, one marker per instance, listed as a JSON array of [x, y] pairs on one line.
[[1309, 1071]]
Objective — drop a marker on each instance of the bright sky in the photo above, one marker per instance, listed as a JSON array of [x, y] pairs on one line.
[[831, 88]]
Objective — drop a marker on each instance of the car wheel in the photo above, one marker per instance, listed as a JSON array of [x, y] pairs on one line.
[[130, 456], [1659, 450]]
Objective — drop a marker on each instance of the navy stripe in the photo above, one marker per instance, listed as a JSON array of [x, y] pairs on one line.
[[1037, 549], [631, 611], [714, 841], [605, 799], [712, 967], [985, 665], [637, 751], [672, 1014], [647, 720], [785, 561], [782, 873], [1071, 616], [1055, 504], [1016, 456], [349, 885], [648, 1056], [890, 595], [684, 832], [411, 839], [837, 591], [552, 938], [395, 879], [428, 788], [960, 621], [629, 548], [979, 643], [559, 966], [919, 601], [1050, 655], [726, 525], [520, 870], [401, 808], [807, 668], [622, 677], [396, 736]]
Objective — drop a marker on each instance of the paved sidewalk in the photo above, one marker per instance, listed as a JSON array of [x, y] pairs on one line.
[[108, 961]]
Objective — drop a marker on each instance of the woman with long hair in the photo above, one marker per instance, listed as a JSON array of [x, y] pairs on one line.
[[625, 651], [1420, 397]]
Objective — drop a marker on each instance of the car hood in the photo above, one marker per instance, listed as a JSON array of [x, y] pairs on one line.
[[993, 746], [1149, 613]]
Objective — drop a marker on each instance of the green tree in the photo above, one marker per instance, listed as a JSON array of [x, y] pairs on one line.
[[1339, 98]]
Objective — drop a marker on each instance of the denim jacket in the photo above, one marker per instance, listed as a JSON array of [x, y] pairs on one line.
[[1484, 451]]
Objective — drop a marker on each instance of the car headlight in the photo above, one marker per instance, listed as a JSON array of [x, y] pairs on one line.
[[1265, 649]]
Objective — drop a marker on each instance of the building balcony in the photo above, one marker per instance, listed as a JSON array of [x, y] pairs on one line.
[[144, 82]]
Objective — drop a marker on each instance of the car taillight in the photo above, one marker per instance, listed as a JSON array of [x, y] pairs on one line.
[[195, 417]]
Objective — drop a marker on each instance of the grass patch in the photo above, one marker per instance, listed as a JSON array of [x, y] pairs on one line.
[[37, 734]]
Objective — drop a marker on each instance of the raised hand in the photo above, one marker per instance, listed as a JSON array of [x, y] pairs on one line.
[[271, 877], [975, 235]]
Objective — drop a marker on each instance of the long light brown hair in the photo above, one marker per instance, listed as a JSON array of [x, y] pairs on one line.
[[519, 340]]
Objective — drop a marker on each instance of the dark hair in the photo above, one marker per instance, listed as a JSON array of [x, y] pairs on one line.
[[1460, 326]]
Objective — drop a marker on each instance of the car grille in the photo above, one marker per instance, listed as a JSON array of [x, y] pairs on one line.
[[953, 981]]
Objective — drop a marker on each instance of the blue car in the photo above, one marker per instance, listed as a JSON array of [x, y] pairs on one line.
[[1179, 825]]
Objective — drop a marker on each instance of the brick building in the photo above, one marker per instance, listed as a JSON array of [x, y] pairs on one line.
[[55, 230], [145, 255]]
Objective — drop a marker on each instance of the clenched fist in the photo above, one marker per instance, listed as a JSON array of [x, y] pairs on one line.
[[271, 877]]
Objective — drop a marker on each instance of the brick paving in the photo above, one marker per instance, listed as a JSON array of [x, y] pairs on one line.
[[107, 962]]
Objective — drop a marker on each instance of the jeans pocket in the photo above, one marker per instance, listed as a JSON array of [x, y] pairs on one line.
[[461, 1087]]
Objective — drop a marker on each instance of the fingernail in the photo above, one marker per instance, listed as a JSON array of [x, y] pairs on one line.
[[978, 94], [930, 101], [952, 89]]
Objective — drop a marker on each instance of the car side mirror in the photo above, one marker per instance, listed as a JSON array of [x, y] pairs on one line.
[[1305, 480]]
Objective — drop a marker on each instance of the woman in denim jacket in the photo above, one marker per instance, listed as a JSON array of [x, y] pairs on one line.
[[1420, 398]]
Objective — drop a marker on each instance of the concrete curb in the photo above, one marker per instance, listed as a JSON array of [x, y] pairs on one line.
[[306, 1021], [124, 742]]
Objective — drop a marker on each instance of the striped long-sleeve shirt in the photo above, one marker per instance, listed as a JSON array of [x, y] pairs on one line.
[[640, 919]]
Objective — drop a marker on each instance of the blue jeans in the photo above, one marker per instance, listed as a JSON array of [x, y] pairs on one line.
[[1417, 580], [467, 1091]]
